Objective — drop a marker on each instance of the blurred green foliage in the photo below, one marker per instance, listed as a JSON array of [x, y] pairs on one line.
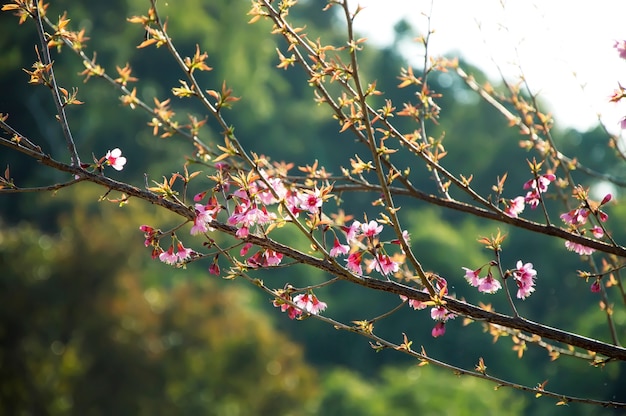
[[90, 325]]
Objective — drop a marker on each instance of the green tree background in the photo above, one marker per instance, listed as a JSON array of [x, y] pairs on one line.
[[91, 325]]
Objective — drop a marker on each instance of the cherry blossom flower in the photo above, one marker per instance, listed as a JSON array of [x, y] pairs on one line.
[[339, 249], [311, 201], [115, 159], [292, 311], [272, 258], [183, 253], [383, 264], [371, 229], [489, 284], [579, 248], [595, 287], [540, 183], [168, 256], [310, 303], [473, 276], [414, 303], [515, 207], [354, 263], [439, 329], [576, 216], [353, 231], [439, 313], [524, 276], [597, 231], [214, 269], [533, 198]]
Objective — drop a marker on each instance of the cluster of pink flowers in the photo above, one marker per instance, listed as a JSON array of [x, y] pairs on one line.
[[438, 313], [381, 262], [524, 276], [535, 186], [578, 217], [304, 303]]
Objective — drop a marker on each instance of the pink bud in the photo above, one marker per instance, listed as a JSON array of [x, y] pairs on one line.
[[606, 199], [595, 287]]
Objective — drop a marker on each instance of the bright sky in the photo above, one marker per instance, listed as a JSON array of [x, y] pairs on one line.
[[559, 44]]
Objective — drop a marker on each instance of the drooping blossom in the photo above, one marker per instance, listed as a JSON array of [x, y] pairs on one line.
[[439, 329], [310, 303], [414, 303], [597, 231], [383, 264], [353, 231], [472, 276], [183, 253], [354, 263], [115, 159], [579, 248], [524, 276], [489, 284], [595, 286], [515, 207], [576, 216], [291, 310], [168, 256], [439, 313], [339, 249]]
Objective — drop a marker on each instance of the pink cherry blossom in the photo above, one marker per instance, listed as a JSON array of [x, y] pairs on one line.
[[311, 201], [414, 303], [214, 269], [524, 276], [183, 253], [576, 216], [597, 231], [515, 207], [371, 229], [339, 249], [115, 159], [354, 263], [353, 231], [383, 264], [489, 284], [309, 303], [472, 276], [595, 287], [292, 311], [272, 258], [578, 248], [439, 329], [168, 256], [439, 313]]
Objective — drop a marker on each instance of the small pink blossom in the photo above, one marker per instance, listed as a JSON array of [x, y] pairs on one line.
[[115, 159], [383, 264], [595, 287], [339, 249], [439, 329], [310, 303], [272, 258], [371, 229], [515, 207], [439, 313], [183, 253], [311, 201], [540, 183], [414, 303], [214, 269], [353, 231], [354, 263], [533, 198], [489, 284], [292, 311], [576, 216], [168, 256], [473, 276], [578, 248], [244, 249], [597, 231], [524, 276]]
